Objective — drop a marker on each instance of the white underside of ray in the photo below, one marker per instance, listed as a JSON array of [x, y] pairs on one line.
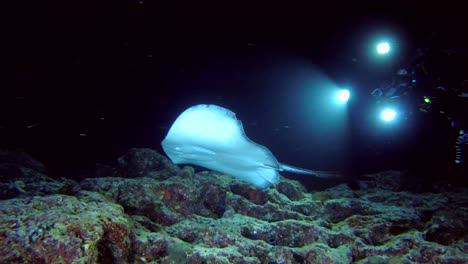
[[210, 136]]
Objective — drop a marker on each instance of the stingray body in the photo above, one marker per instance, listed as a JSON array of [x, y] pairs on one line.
[[211, 136]]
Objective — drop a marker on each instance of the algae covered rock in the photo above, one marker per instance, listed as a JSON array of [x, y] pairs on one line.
[[63, 229], [144, 162], [22, 176], [162, 214]]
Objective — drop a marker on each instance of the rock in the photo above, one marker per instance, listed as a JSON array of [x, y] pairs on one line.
[[208, 217], [292, 189], [20, 158], [63, 229], [339, 191], [143, 162], [386, 180], [20, 176], [201, 216], [446, 227]]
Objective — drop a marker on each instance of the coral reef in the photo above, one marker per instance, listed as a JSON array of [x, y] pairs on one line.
[[63, 229], [146, 162], [157, 212], [22, 176]]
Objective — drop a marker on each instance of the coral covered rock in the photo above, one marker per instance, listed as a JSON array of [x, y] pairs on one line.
[[63, 229], [22, 176], [208, 217], [143, 162]]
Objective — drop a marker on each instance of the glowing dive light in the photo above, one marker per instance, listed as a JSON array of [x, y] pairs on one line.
[[383, 48], [343, 96], [388, 115]]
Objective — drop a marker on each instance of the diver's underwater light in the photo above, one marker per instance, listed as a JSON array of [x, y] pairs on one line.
[[388, 115], [383, 48], [343, 96]]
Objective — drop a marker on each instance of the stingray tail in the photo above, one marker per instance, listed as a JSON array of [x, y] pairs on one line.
[[320, 174]]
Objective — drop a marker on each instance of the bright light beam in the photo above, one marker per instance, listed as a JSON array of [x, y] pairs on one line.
[[383, 48], [343, 96], [388, 115]]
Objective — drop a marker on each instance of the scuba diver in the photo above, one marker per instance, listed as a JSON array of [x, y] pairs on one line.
[[434, 82], [443, 90], [462, 138]]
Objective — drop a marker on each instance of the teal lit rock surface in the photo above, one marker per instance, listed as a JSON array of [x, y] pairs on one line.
[[204, 217]]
